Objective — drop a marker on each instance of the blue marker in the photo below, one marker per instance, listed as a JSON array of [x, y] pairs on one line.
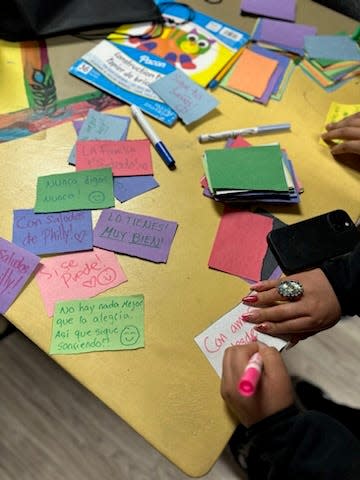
[[209, 137], [154, 139]]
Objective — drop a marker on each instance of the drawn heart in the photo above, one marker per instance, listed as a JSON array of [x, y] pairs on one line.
[[79, 236], [90, 283]]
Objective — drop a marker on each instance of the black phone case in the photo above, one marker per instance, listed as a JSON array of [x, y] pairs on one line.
[[307, 244]]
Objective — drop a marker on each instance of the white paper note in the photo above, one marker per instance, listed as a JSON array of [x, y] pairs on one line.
[[230, 330]]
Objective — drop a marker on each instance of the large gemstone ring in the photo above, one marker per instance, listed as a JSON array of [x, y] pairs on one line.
[[290, 289]]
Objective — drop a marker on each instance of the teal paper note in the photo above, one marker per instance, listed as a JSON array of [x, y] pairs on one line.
[[83, 190], [188, 99], [257, 168], [332, 47], [107, 323]]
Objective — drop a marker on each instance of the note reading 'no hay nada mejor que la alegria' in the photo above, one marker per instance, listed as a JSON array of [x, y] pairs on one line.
[[107, 323]]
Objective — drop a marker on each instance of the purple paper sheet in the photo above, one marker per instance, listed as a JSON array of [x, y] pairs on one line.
[[283, 9], [136, 235], [16, 266], [126, 188], [278, 74], [289, 36], [46, 233]]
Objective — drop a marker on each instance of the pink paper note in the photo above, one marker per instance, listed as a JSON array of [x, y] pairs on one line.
[[240, 244], [77, 275], [125, 157]]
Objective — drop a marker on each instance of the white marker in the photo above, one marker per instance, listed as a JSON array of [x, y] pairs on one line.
[[154, 139], [209, 137]]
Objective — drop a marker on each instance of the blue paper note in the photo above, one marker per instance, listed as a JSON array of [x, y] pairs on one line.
[[332, 47], [47, 233], [130, 187], [99, 126], [188, 99]]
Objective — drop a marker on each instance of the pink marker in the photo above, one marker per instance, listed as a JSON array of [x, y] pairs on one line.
[[251, 376]]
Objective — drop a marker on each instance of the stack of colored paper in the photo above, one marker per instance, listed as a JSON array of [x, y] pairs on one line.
[[283, 36], [261, 173], [259, 75], [331, 60]]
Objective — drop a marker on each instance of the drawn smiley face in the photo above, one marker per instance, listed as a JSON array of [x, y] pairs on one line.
[[96, 197], [129, 335], [106, 276]]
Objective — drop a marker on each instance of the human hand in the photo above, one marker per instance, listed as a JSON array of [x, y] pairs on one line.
[[347, 130], [274, 391], [318, 308]]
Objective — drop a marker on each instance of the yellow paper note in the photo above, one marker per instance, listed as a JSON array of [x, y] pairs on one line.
[[251, 73], [337, 112], [12, 88]]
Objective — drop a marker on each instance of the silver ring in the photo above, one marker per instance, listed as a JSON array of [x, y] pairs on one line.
[[290, 289]]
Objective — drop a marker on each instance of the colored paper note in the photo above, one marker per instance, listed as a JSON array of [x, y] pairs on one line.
[[257, 168], [16, 266], [337, 112], [125, 158], [126, 188], [284, 9], [77, 275], [252, 73], [230, 330], [107, 323], [332, 47], [188, 99], [101, 126], [240, 244], [289, 36], [86, 190], [46, 233], [136, 235]]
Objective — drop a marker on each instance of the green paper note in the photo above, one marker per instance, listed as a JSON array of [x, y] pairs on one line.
[[84, 190], [107, 323], [258, 168]]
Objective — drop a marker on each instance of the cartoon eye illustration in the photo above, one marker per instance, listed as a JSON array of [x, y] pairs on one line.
[[203, 43], [192, 37]]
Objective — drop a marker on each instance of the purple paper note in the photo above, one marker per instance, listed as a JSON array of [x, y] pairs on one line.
[[287, 35], [135, 235], [130, 187], [16, 266], [46, 233], [283, 9]]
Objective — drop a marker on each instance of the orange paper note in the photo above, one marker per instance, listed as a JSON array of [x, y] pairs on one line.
[[251, 73]]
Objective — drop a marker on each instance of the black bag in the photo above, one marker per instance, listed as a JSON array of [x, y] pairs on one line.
[[34, 19]]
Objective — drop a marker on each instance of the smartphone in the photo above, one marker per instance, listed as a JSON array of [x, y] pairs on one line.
[[307, 244]]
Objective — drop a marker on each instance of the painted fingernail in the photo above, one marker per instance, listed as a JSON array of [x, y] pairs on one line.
[[249, 316], [254, 286], [262, 328], [250, 299]]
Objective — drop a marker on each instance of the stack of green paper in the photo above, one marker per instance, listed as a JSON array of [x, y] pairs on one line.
[[256, 173]]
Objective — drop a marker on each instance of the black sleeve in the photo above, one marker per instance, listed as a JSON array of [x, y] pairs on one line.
[[302, 446], [344, 275]]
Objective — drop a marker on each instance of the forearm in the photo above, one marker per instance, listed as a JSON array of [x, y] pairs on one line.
[[343, 274], [299, 445]]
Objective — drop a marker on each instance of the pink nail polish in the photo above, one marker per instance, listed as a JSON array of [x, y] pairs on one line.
[[263, 327], [247, 316], [250, 299]]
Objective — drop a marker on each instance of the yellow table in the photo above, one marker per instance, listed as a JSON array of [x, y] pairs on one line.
[[168, 391]]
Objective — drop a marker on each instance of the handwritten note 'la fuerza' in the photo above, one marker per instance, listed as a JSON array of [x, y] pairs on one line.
[[136, 235], [108, 323], [230, 330], [16, 266]]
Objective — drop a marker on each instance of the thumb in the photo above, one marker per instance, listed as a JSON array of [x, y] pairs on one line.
[[273, 362]]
